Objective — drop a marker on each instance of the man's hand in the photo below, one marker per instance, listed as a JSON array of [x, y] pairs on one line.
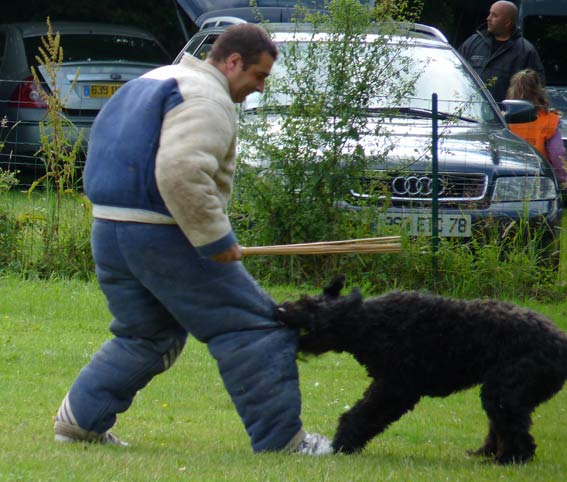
[[234, 253]]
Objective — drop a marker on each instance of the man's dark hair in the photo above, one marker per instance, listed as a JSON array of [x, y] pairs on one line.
[[247, 39]]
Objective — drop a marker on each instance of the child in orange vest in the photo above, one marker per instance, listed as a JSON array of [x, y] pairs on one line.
[[543, 133]]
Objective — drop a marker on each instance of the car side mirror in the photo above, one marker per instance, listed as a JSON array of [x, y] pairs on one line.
[[518, 111]]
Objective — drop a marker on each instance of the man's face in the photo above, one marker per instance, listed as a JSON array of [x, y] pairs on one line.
[[498, 20], [243, 82]]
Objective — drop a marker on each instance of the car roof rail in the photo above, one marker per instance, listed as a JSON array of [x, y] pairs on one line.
[[430, 31], [221, 22], [405, 27]]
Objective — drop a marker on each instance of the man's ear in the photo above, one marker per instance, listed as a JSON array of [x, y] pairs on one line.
[[334, 289], [232, 62]]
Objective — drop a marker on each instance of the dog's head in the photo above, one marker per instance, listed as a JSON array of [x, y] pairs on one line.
[[322, 320]]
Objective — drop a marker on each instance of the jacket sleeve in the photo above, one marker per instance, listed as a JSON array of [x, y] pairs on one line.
[[194, 171], [557, 156], [465, 47]]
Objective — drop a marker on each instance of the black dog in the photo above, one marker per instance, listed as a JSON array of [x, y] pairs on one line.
[[415, 345]]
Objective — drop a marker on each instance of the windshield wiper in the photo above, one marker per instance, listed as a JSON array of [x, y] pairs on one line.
[[409, 112], [274, 109], [418, 113]]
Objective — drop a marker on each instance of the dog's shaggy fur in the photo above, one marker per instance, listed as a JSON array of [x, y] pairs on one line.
[[413, 345]]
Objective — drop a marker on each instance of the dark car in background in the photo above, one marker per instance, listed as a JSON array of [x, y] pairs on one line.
[[276, 11], [101, 57], [487, 175]]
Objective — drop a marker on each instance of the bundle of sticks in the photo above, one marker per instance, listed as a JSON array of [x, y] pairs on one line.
[[386, 244]]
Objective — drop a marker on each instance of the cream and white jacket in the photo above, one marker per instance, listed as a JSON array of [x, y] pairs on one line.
[[162, 151]]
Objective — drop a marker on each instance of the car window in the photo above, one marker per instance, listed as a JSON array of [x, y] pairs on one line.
[[443, 73], [205, 47], [92, 48]]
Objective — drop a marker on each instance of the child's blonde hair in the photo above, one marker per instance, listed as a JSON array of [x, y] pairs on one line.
[[526, 85]]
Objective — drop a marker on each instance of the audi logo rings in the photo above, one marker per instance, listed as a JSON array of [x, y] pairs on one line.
[[415, 186]]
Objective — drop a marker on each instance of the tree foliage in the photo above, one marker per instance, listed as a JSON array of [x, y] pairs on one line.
[[307, 146]]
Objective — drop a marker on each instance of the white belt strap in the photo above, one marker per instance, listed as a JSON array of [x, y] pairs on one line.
[[114, 213]]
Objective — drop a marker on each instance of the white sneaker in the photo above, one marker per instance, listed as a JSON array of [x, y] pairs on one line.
[[314, 444], [68, 433]]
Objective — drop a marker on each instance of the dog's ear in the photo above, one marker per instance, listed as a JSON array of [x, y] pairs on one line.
[[334, 289], [354, 298]]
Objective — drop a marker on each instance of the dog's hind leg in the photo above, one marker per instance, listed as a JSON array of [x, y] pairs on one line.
[[509, 440], [509, 396], [382, 404], [490, 446]]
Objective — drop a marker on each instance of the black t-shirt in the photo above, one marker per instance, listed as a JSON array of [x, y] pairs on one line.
[[496, 44]]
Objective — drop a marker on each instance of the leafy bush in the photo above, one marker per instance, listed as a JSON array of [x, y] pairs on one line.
[[58, 153], [295, 169], [30, 247], [310, 156]]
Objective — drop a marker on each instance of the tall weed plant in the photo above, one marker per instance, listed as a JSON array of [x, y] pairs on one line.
[[60, 140], [60, 144]]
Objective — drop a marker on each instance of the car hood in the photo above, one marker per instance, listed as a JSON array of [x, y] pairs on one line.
[[481, 148], [405, 144]]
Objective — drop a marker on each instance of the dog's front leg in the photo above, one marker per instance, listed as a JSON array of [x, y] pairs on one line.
[[382, 404]]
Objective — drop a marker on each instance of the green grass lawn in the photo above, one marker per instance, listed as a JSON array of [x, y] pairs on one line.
[[183, 425]]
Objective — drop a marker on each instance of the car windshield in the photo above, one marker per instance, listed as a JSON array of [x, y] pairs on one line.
[[437, 70], [99, 47]]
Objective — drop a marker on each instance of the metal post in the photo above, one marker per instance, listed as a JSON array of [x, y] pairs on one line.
[[435, 193]]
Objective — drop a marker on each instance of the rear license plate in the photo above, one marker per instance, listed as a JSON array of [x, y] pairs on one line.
[[450, 225], [100, 91]]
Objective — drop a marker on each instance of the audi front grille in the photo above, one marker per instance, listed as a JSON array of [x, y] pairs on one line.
[[452, 187]]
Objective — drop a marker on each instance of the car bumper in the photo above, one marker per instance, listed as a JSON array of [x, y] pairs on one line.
[[23, 138]]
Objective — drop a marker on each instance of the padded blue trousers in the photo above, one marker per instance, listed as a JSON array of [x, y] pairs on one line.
[[159, 291]]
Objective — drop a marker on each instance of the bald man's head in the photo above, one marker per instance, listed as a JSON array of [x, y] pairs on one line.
[[502, 19]]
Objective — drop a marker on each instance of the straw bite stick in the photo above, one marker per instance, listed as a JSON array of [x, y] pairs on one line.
[[387, 244]]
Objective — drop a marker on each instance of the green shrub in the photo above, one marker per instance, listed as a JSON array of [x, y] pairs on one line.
[[292, 174], [30, 247]]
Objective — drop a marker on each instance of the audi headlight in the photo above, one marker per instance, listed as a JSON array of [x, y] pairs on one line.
[[524, 188]]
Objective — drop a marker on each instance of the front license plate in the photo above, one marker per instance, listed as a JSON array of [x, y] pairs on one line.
[[100, 91], [450, 225]]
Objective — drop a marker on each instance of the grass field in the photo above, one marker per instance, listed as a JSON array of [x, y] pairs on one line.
[[183, 425]]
